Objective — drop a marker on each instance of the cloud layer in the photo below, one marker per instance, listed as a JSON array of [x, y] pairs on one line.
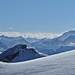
[[31, 35]]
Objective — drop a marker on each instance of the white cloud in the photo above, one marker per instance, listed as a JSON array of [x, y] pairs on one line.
[[10, 34], [31, 35], [11, 28], [41, 35]]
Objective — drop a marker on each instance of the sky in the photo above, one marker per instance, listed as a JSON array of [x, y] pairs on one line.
[[45, 16]]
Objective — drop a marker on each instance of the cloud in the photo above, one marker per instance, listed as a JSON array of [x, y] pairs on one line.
[[10, 34], [40, 35], [31, 35], [11, 28]]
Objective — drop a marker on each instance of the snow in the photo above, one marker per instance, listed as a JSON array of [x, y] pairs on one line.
[[51, 46], [20, 53], [59, 64], [67, 34], [0, 52]]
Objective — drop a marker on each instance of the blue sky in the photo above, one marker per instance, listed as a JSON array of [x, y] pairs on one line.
[[54, 16]]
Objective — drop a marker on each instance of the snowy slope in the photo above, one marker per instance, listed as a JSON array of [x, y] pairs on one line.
[[66, 35], [60, 64], [2, 46]]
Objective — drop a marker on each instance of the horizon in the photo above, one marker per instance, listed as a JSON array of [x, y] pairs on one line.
[[30, 35], [37, 16], [33, 35]]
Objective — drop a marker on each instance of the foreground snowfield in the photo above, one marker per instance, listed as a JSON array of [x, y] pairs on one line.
[[59, 64]]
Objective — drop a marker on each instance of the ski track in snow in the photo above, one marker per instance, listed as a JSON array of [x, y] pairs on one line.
[[59, 64]]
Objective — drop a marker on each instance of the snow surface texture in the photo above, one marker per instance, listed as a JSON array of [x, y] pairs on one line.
[[59, 64]]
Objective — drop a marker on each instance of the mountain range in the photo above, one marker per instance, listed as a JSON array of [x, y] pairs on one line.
[[12, 41], [62, 43], [48, 46]]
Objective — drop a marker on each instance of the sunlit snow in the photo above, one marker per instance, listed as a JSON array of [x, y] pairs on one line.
[[59, 64]]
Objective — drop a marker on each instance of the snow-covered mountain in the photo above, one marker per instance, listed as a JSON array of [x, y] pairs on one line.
[[70, 41], [12, 41], [2, 46], [59, 64], [47, 46], [20, 53], [44, 45], [66, 35], [64, 49], [52, 46], [31, 40]]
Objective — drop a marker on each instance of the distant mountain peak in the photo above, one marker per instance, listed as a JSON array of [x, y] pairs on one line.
[[67, 34], [71, 31]]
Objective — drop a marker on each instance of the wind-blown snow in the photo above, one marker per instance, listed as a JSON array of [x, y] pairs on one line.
[[59, 64]]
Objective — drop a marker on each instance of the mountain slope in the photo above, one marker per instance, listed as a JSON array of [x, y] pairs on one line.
[[60, 64], [52, 46], [66, 35], [20, 53], [70, 41], [2, 46], [12, 41]]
